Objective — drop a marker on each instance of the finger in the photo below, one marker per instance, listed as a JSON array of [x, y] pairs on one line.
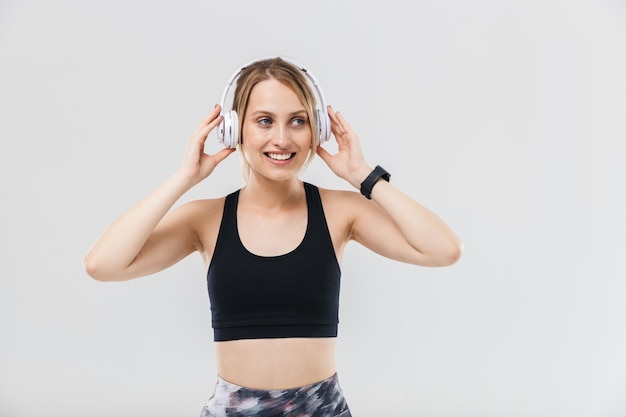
[[195, 144], [336, 122], [202, 134], [223, 154], [216, 111], [338, 130], [211, 118], [343, 122], [334, 115], [324, 154], [203, 131]]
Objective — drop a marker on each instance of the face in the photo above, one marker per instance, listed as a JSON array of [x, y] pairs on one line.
[[276, 134]]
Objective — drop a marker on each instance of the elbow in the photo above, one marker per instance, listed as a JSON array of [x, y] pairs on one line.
[[454, 253], [91, 268], [448, 255], [94, 269], [104, 271]]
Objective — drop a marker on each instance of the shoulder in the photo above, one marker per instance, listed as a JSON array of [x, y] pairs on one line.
[[198, 214], [334, 194], [350, 207], [342, 203], [341, 197], [203, 217], [201, 206], [343, 209]]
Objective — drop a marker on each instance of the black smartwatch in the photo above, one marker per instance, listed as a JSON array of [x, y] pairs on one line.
[[367, 185]]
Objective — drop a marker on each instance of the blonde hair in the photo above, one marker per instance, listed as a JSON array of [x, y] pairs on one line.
[[286, 73]]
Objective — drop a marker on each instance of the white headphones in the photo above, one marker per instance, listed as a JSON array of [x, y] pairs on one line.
[[228, 130]]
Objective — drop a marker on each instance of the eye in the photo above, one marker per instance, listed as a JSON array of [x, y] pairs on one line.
[[264, 121], [299, 121]]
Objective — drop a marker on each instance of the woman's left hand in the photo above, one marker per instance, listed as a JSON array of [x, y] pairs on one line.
[[348, 163]]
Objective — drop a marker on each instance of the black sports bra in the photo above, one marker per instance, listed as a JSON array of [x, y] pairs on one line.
[[290, 295]]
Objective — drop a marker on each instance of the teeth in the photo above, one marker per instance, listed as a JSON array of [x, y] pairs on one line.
[[280, 156]]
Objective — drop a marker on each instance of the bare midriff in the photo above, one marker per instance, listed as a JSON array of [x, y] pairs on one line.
[[276, 363]]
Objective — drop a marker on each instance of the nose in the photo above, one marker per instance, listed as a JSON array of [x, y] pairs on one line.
[[281, 136]]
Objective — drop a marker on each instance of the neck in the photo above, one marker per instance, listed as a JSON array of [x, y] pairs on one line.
[[272, 194]]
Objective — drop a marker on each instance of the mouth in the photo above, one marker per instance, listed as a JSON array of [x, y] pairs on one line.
[[279, 156]]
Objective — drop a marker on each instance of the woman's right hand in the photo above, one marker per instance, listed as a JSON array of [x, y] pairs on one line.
[[143, 240], [197, 165]]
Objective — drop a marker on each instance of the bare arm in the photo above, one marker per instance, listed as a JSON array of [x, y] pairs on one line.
[[396, 226], [391, 224], [144, 239]]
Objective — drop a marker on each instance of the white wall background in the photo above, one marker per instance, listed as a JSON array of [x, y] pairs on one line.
[[506, 118]]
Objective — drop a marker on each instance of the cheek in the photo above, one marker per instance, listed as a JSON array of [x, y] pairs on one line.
[[243, 147], [252, 134], [304, 138], [243, 132]]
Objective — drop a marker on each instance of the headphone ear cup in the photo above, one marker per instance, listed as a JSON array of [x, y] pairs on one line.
[[228, 130], [323, 127]]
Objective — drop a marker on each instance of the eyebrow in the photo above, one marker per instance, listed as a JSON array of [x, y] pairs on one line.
[[269, 113]]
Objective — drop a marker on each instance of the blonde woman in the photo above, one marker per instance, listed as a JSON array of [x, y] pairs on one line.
[[273, 248]]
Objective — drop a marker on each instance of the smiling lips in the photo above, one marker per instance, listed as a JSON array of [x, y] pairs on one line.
[[280, 156]]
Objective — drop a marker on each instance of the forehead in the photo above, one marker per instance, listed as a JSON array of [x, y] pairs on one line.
[[273, 93]]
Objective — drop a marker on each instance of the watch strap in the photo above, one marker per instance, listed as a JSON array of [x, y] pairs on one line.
[[369, 182]]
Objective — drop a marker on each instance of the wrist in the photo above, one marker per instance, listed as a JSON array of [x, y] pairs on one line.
[[377, 174], [183, 180], [359, 175]]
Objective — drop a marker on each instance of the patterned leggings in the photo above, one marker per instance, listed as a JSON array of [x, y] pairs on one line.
[[322, 399]]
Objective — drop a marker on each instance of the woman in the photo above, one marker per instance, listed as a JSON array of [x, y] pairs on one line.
[[273, 249]]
